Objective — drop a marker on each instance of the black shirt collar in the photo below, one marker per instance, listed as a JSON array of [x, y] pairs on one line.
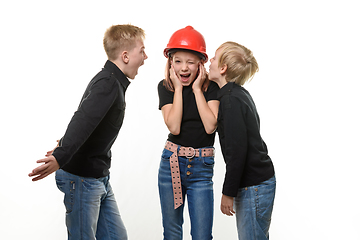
[[119, 75], [226, 89]]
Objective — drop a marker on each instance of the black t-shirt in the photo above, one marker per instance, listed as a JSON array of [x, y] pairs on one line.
[[192, 131]]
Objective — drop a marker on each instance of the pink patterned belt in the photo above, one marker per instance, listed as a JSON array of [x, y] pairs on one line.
[[188, 152]]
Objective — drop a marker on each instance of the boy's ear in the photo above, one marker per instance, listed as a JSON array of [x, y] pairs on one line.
[[125, 57], [223, 69]]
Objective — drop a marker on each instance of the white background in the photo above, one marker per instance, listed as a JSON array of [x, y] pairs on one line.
[[306, 93]]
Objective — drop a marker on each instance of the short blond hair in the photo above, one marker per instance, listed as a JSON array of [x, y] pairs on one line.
[[240, 62], [121, 37]]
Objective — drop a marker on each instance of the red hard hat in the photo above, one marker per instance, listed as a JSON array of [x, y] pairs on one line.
[[187, 38]]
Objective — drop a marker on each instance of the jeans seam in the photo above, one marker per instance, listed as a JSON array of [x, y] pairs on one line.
[[254, 217], [81, 211]]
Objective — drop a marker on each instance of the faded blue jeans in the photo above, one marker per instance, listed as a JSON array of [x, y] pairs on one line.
[[91, 209], [196, 181], [253, 206]]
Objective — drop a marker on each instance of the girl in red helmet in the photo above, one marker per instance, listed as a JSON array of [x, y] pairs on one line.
[[188, 101]]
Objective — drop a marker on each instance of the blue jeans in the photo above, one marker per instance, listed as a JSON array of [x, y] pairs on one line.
[[196, 181], [91, 209], [253, 206]]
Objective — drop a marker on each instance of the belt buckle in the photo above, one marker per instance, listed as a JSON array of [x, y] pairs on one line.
[[192, 149]]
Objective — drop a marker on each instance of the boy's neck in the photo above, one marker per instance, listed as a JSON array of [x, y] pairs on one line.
[[222, 82]]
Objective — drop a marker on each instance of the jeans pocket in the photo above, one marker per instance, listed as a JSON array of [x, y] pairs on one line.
[[266, 196], [209, 161], [166, 154], [68, 188]]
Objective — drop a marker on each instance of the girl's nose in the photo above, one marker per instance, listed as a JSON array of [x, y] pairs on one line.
[[184, 67]]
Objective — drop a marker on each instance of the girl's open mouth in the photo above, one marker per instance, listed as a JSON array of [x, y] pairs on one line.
[[185, 77]]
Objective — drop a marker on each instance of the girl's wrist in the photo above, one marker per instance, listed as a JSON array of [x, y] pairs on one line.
[[197, 90]]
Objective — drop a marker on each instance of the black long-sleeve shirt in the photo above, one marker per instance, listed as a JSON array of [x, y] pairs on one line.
[[244, 151], [84, 150]]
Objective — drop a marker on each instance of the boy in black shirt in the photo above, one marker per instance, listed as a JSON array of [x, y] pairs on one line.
[[82, 159], [249, 179]]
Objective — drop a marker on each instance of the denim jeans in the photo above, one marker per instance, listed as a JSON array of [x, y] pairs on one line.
[[253, 206], [91, 209], [196, 181]]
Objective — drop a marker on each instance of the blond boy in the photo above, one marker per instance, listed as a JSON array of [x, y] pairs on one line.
[[82, 158]]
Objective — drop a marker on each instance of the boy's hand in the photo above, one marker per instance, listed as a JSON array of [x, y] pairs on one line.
[[227, 205], [51, 151], [50, 165]]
